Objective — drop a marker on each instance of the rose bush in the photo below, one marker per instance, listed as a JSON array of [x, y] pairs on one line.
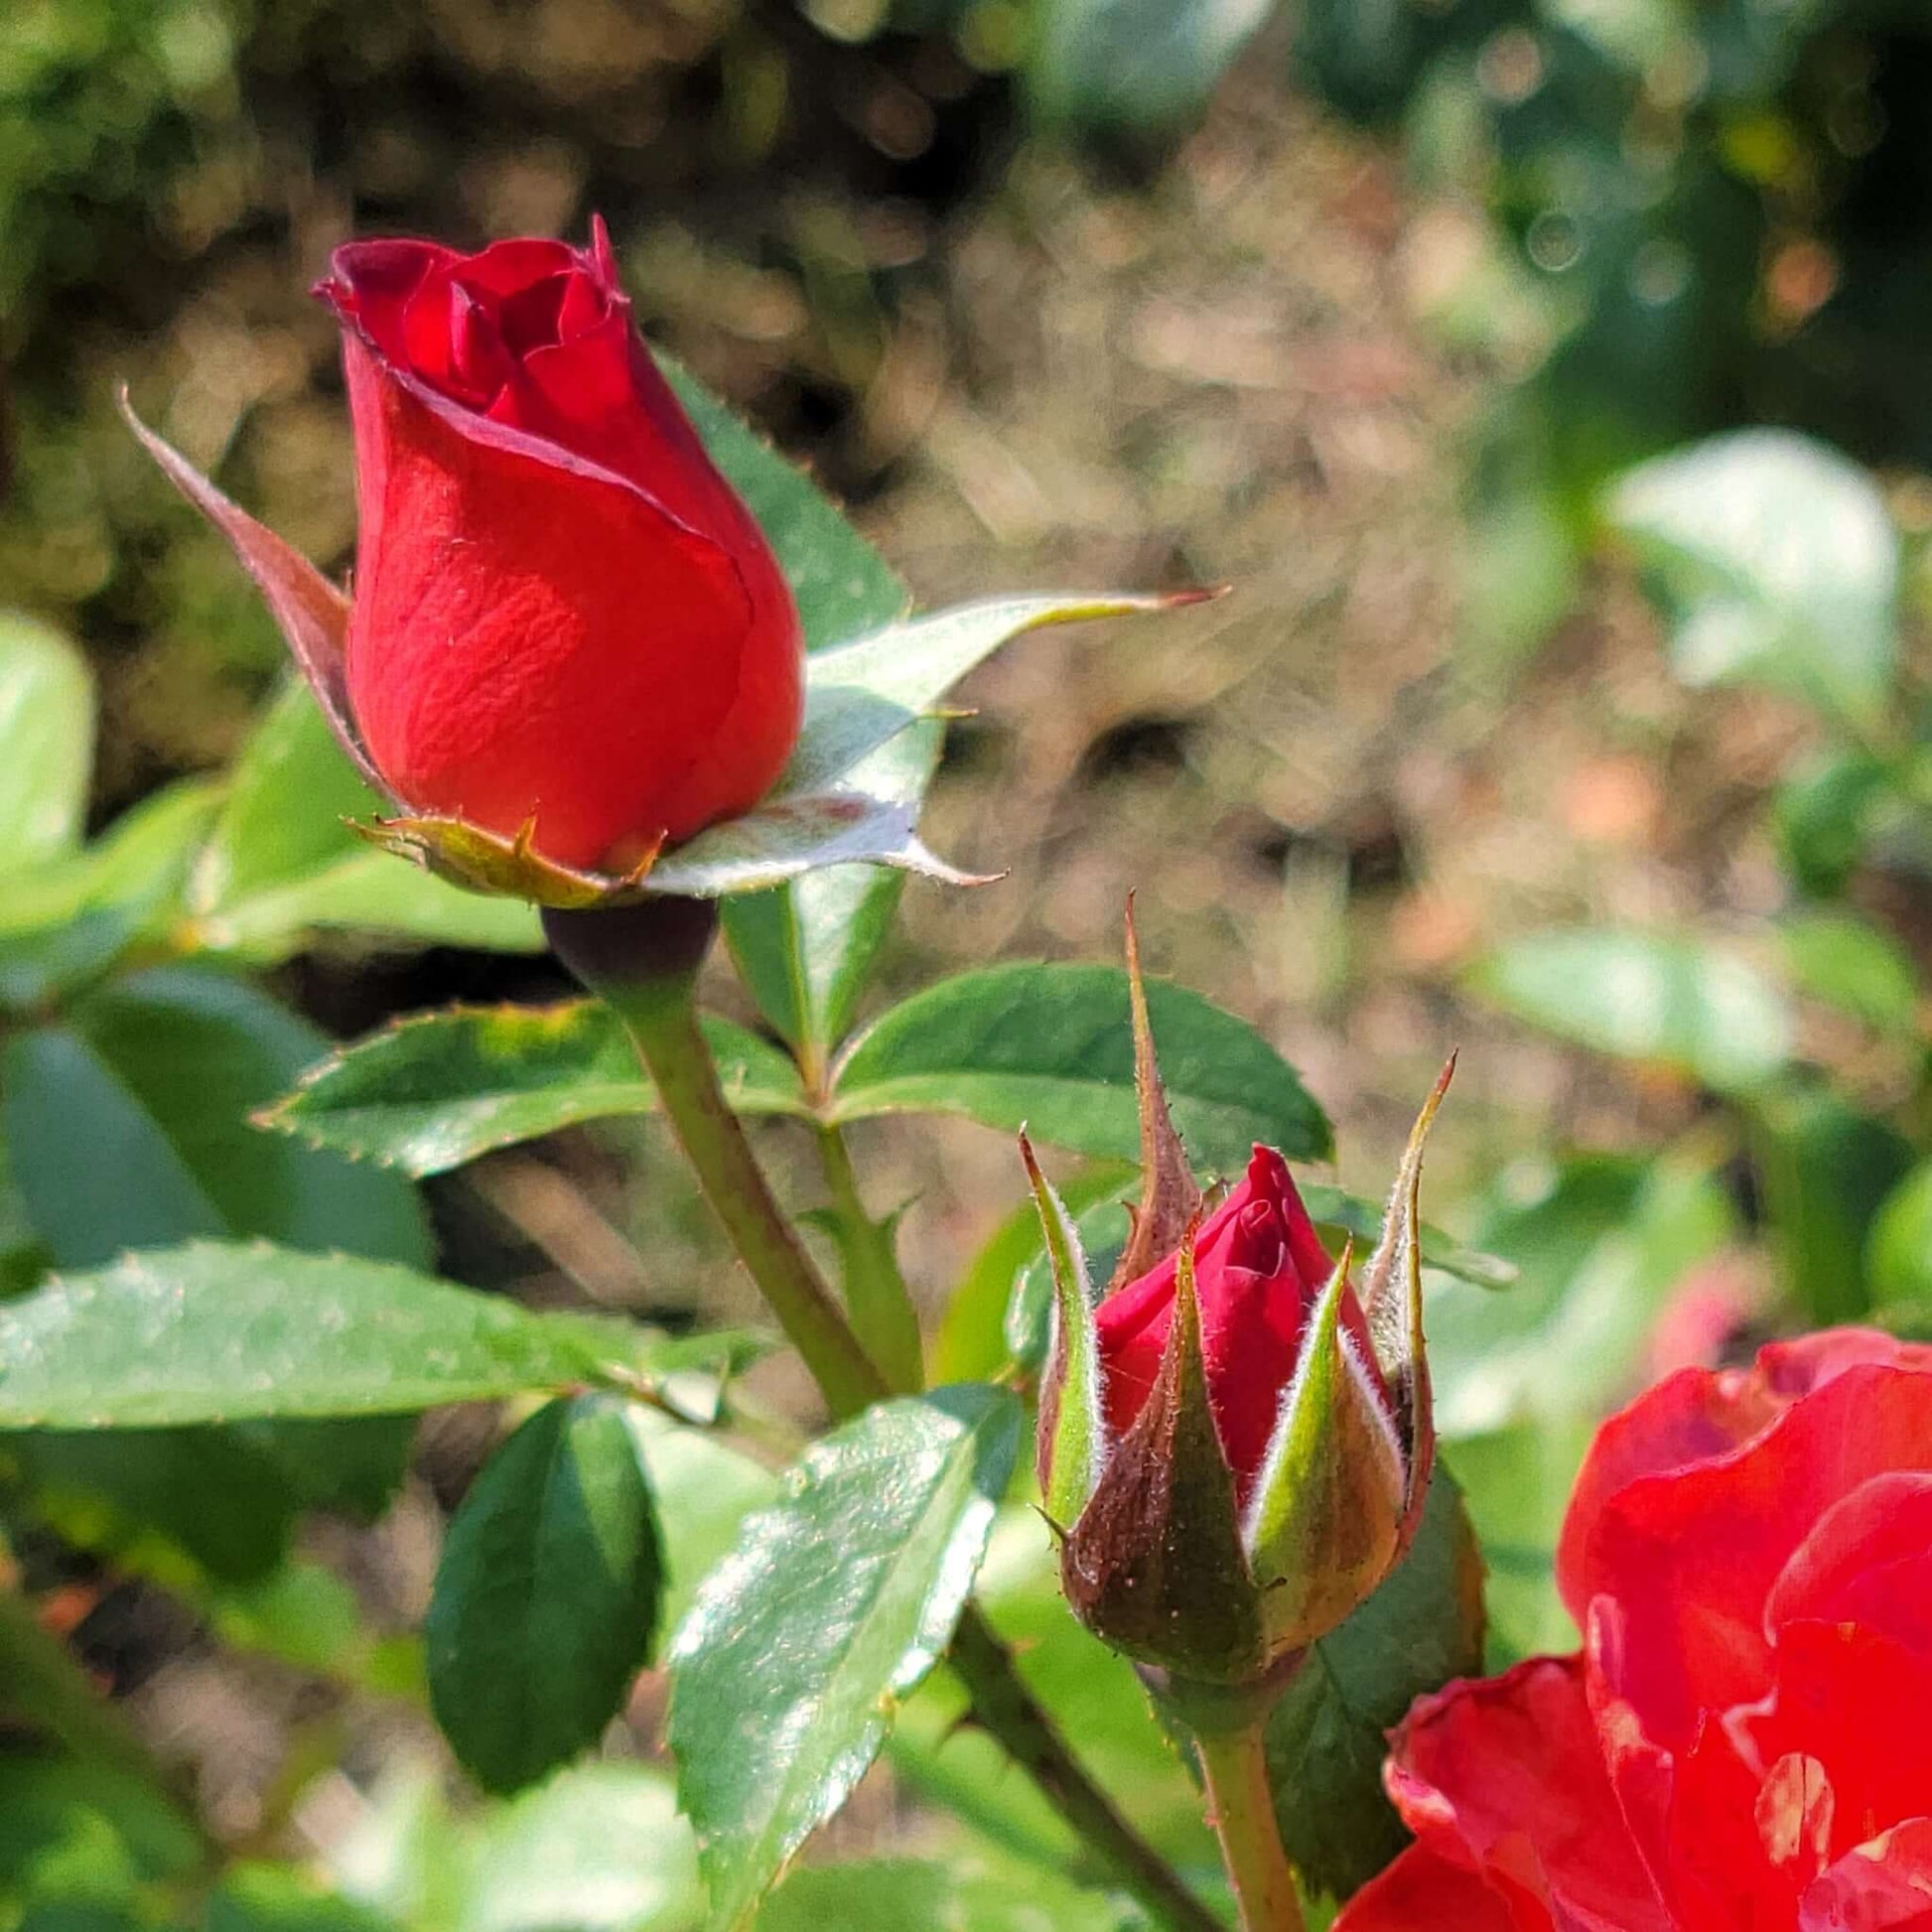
[[1744, 1739], [563, 618]]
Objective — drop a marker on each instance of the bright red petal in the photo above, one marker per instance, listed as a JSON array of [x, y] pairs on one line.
[[1867, 1561], [1690, 1554], [1423, 1892], [1692, 1416], [1507, 1776]]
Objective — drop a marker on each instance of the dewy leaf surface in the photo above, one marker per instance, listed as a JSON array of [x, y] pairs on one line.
[[835, 1604], [213, 1332], [438, 1089], [1050, 1046]]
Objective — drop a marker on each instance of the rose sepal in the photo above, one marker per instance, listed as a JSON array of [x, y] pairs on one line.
[[1324, 1525], [1154, 1565], [1072, 1438], [1392, 1310]]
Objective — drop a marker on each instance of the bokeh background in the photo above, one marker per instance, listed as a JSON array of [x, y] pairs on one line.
[[1365, 310]]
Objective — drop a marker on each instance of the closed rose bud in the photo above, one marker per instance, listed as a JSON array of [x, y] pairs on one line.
[[1235, 1443], [1259, 1270], [563, 618]]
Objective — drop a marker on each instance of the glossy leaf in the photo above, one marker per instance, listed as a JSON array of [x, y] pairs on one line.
[[438, 1089], [1680, 1002], [1327, 1736], [1776, 561], [547, 1596], [833, 1606], [210, 1332], [129, 1128], [1049, 1046], [46, 743], [859, 696]]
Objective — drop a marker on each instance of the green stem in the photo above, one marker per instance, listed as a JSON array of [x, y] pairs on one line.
[[1241, 1807], [657, 1010], [876, 1299], [663, 1022], [1006, 1709]]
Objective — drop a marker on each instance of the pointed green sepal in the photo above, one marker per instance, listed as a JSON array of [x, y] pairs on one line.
[[1323, 1523], [1391, 1295], [1154, 1565], [1072, 1426], [1169, 1200]]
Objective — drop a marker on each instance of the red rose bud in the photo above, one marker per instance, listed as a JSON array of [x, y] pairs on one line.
[[1235, 1443], [569, 642], [562, 613]]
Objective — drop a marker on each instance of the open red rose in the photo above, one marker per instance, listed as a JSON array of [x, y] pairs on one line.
[[1745, 1742], [1259, 1266], [563, 616]]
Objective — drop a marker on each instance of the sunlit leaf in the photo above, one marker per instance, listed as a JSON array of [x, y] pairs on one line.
[[835, 1604], [547, 1596], [1049, 1046]]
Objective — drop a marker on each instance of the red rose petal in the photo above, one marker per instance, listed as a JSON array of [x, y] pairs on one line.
[[1860, 1705], [1506, 1776], [1691, 1554], [1423, 1893], [1867, 1561], [1695, 1415]]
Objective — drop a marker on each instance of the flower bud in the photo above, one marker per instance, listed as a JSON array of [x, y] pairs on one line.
[[569, 643], [1235, 1442]]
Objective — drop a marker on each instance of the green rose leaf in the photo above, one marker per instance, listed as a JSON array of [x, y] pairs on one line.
[[215, 1332], [547, 1597], [436, 1090], [129, 1128], [841, 584], [831, 804], [1049, 1046], [833, 1606]]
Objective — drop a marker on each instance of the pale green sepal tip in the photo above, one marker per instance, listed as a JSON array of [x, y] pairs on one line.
[[1285, 1492], [1073, 1427]]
